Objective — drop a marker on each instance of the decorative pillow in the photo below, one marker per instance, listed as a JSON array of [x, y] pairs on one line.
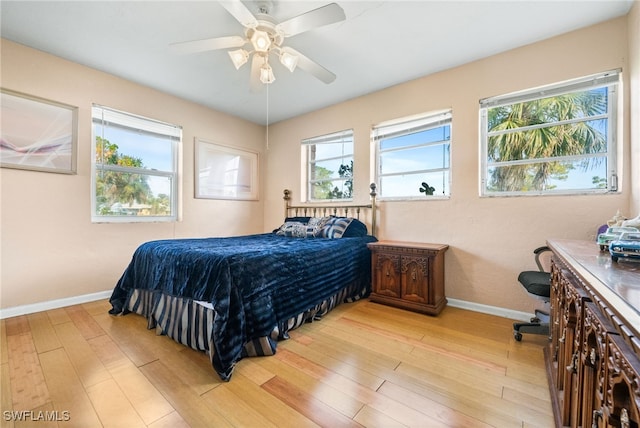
[[295, 229], [334, 228], [300, 229], [355, 229]]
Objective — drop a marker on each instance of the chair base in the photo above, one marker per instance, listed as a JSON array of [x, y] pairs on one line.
[[538, 325]]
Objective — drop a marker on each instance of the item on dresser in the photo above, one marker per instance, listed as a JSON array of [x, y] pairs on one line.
[[625, 246]]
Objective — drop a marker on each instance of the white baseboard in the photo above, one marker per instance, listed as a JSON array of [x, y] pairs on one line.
[[491, 310], [69, 301], [53, 304]]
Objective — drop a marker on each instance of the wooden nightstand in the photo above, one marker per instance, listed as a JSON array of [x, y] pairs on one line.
[[408, 275]]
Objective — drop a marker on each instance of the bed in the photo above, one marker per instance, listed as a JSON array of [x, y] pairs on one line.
[[236, 297]]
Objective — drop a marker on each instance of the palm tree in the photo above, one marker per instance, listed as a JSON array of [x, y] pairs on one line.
[[542, 129]]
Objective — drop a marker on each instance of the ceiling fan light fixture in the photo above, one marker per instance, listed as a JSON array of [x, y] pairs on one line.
[[239, 57], [266, 74], [289, 60], [261, 41]]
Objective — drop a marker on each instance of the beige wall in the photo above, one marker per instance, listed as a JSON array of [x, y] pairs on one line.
[[633, 23], [491, 239], [50, 248]]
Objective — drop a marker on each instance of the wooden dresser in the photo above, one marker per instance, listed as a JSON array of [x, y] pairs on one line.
[[593, 356], [408, 275]]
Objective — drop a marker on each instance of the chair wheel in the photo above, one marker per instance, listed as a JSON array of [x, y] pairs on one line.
[[517, 336]]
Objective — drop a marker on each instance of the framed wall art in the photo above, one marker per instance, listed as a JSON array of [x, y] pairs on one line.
[[37, 134], [223, 172]]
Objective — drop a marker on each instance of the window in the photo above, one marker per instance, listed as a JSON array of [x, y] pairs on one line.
[[413, 156], [556, 139], [330, 166], [134, 174]]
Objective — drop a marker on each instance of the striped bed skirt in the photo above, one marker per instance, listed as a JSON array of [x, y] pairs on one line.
[[190, 322]]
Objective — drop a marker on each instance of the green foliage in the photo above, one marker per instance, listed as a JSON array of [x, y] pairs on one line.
[[426, 189], [543, 142], [322, 188], [124, 193], [599, 182]]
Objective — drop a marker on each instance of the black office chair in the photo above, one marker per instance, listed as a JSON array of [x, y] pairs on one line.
[[538, 284]]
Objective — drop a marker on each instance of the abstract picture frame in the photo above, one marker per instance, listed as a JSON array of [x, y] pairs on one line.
[[37, 134], [225, 172]]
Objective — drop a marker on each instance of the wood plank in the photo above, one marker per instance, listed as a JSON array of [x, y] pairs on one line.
[[67, 392], [193, 367], [58, 316], [329, 361], [112, 406], [324, 393], [470, 401], [370, 417], [172, 420], [534, 402], [358, 356], [4, 354], [237, 411], [247, 367], [131, 334], [269, 406], [329, 377], [44, 335], [143, 396], [6, 401], [28, 387], [97, 307], [90, 369], [84, 322], [182, 397], [365, 395], [434, 351], [432, 410], [307, 404], [17, 325]]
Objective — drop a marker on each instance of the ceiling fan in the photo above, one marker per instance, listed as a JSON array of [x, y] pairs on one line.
[[264, 37]]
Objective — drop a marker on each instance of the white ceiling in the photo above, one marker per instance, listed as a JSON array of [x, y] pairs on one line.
[[380, 44]]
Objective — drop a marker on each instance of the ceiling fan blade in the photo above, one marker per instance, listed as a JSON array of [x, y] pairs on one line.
[[240, 12], [312, 67], [255, 85], [324, 15], [208, 44]]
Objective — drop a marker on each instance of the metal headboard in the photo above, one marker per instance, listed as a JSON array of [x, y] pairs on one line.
[[326, 210]]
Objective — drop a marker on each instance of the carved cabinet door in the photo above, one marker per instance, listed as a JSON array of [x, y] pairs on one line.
[[622, 396], [415, 279], [387, 277]]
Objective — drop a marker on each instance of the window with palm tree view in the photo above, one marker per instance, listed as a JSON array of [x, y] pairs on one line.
[[413, 156], [330, 166], [134, 167], [556, 139]]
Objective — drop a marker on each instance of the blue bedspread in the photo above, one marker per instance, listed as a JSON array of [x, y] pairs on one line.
[[251, 281]]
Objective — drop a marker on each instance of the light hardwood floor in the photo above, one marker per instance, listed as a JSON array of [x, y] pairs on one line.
[[364, 364]]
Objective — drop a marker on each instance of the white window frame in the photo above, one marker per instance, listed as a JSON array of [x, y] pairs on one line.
[[344, 137], [609, 79], [405, 126], [142, 125]]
